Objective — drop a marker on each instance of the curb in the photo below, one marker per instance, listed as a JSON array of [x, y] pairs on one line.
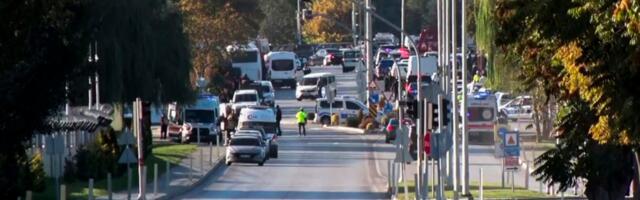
[[345, 129], [180, 192]]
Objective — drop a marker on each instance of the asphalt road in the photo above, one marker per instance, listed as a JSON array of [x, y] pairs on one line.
[[325, 164]]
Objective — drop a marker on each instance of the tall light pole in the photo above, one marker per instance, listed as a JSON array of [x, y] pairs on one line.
[[298, 24], [465, 134], [354, 22], [368, 49], [454, 94], [97, 80], [402, 23]]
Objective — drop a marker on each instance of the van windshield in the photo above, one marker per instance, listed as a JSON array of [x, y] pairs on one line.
[[309, 81], [268, 127], [245, 57], [199, 116], [351, 54], [282, 65], [245, 98]]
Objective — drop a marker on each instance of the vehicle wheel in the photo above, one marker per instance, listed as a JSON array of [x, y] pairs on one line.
[[293, 86], [325, 121], [260, 163], [228, 163], [387, 140], [274, 152]]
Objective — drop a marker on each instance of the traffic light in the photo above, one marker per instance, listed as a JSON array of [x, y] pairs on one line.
[[432, 116], [412, 109], [445, 111]]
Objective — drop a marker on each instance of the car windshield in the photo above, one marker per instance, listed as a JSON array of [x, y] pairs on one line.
[[351, 54], [480, 114], [245, 57], [268, 127], [244, 142], [265, 89], [282, 65], [309, 81], [245, 98], [199, 116]]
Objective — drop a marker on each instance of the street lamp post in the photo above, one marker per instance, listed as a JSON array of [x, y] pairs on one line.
[[465, 134]]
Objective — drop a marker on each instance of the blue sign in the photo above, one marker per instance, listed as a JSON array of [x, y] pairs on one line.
[[388, 108], [374, 98], [512, 152], [510, 142]]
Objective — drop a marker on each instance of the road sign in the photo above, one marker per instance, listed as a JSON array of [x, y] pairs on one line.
[[127, 157], [511, 151], [511, 139], [126, 138], [511, 162]]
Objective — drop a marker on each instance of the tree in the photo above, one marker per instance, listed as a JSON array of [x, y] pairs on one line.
[[279, 23], [327, 24], [40, 46], [584, 53]]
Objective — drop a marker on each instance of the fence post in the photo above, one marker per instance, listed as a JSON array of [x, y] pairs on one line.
[[513, 181], [29, 195], [190, 168], [210, 153], [167, 174], [155, 179], [526, 176], [109, 193], [90, 189], [481, 188], [201, 158], [218, 146], [63, 192]]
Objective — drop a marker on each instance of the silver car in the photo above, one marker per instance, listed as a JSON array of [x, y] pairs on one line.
[[246, 149]]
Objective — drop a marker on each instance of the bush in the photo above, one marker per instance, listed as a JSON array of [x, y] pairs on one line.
[[353, 122], [95, 160]]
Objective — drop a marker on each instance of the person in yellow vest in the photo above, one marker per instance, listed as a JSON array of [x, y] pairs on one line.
[[301, 117]]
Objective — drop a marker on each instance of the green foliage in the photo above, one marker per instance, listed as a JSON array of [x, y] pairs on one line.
[[279, 23], [95, 160]]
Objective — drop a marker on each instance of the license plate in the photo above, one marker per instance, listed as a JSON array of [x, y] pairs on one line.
[[245, 156]]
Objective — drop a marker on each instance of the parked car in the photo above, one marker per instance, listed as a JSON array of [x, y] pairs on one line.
[[519, 108], [333, 57], [246, 148], [268, 93], [351, 58], [318, 57], [245, 98]]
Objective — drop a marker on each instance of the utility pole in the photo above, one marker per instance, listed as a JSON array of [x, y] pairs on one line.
[[354, 22], [442, 73], [368, 48], [298, 24], [465, 134], [454, 100], [402, 24]]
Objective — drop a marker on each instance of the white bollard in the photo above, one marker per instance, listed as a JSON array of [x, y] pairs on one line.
[[90, 189], [29, 195], [168, 174], [416, 190], [63, 192], [526, 177], [210, 153], [481, 188], [109, 192], [155, 179]]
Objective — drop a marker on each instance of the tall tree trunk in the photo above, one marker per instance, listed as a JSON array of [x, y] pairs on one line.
[[636, 174]]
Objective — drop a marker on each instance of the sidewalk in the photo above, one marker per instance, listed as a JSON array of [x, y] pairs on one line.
[[191, 172]]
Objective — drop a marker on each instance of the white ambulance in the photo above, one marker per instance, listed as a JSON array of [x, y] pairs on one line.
[[261, 118], [482, 118]]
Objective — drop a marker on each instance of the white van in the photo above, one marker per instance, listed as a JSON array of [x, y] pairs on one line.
[[282, 68], [428, 66], [247, 59], [261, 118], [201, 117], [345, 106], [245, 98], [312, 85]]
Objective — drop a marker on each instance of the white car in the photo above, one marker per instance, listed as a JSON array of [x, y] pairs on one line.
[[246, 148], [268, 93], [245, 98], [519, 108]]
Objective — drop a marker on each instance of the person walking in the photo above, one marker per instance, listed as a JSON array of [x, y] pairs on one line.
[[278, 119], [301, 116], [164, 123]]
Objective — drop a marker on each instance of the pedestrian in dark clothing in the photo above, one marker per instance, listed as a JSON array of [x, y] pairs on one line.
[[278, 118], [164, 123]]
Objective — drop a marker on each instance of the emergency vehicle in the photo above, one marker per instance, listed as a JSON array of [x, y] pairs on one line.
[[482, 115], [261, 118], [345, 106]]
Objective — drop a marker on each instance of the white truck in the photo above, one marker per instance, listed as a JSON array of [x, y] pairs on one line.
[[198, 121], [282, 68], [428, 66]]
